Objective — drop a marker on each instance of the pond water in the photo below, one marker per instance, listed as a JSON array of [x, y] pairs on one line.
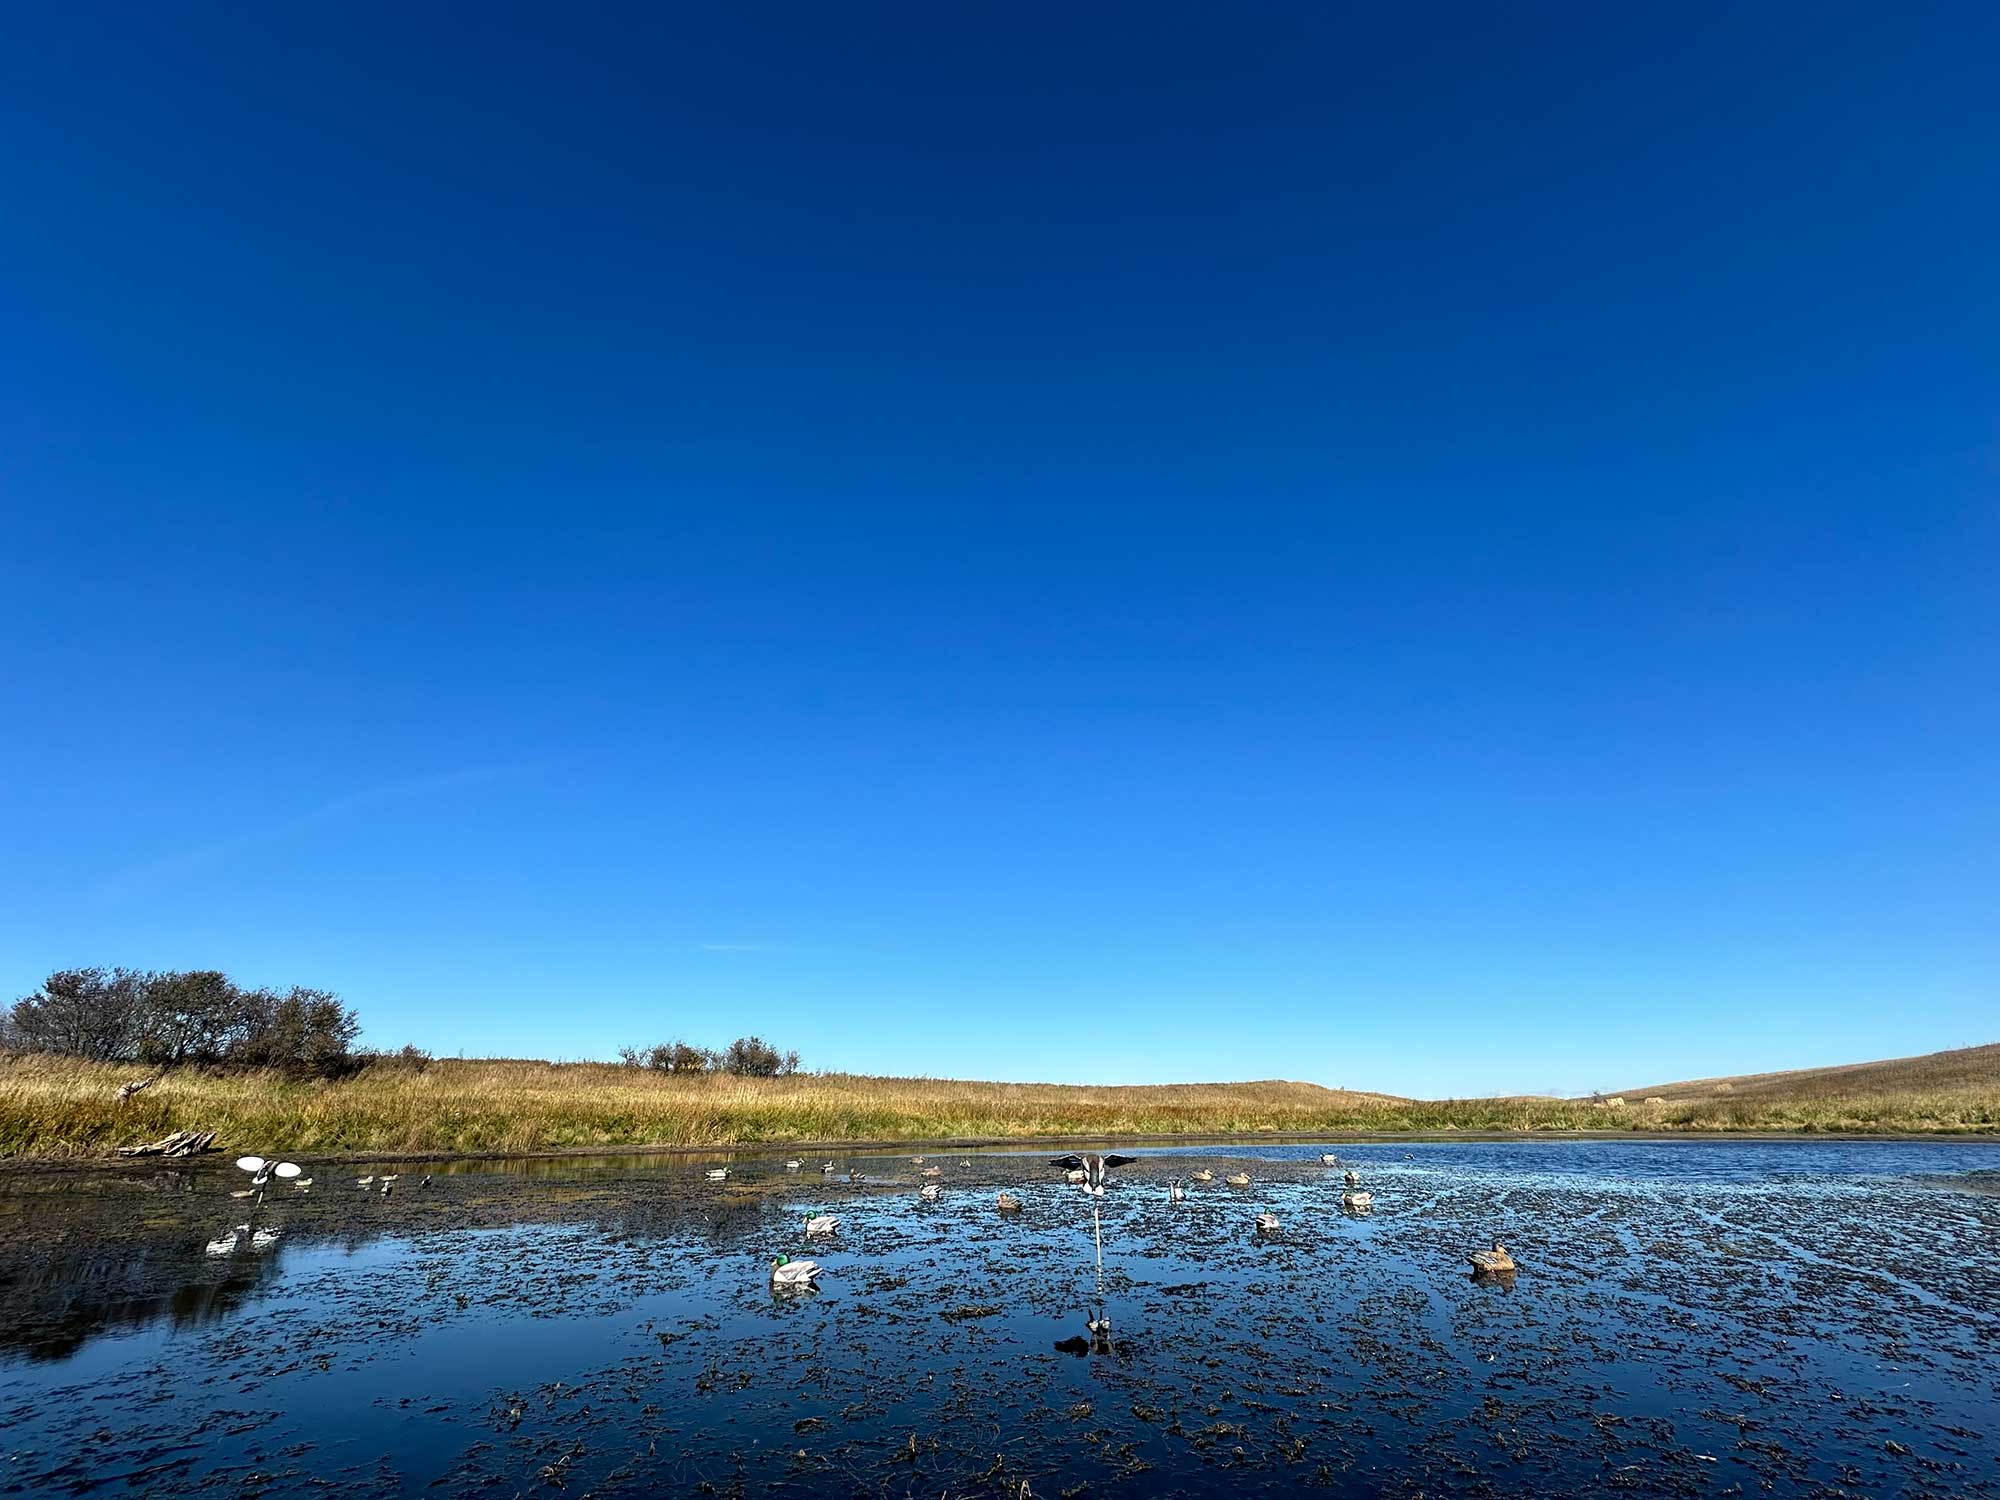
[[1689, 1318]]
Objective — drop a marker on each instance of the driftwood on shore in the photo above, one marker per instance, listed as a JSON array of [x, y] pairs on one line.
[[180, 1143]]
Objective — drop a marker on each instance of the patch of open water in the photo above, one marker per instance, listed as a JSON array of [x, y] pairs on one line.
[[1690, 1318]]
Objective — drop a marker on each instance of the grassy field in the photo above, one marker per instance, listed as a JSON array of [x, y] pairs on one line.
[[51, 1107]]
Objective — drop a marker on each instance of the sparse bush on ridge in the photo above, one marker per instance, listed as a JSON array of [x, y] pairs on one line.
[[746, 1057]]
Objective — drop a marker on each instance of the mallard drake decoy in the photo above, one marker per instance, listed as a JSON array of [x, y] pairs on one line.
[[929, 1192], [1238, 1179], [1091, 1169], [1176, 1193], [1007, 1203], [391, 1176], [1204, 1175], [827, 1170], [426, 1182], [717, 1174], [1353, 1178], [787, 1273], [822, 1224], [1359, 1202], [364, 1183], [264, 1239], [1328, 1159], [1267, 1223], [388, 1186], [1495, 1260], [793, 1165]]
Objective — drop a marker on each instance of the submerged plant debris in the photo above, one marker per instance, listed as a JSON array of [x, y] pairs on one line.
[[1688, 1319]]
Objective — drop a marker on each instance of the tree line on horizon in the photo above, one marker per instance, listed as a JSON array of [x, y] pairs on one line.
[[197, 1017]]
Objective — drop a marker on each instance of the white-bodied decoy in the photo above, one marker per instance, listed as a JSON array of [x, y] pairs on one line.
[[718, 1174], [787, 1273], [1359, 1203], [793, 1165], [1176, 1193], [929, 1192], [226, 1242], [1328, 1159], [822, 1224], [1267, 1223]]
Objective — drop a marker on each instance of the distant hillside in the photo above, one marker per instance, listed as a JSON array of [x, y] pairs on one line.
[[1967, 1069]]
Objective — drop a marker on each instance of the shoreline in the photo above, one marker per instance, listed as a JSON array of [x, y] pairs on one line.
[[26, 1162]]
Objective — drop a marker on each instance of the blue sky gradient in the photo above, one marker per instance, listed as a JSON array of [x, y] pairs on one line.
[[1447, 553]]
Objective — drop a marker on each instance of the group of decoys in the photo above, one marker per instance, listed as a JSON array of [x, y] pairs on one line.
[[261, 1174], [1088, 1173]]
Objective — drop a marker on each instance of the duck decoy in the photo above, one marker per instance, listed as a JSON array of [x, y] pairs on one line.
[[1267, 1223], [426, 1182], [822, 1224], [1328, 1159], [391, 1176], [1238, 1179], [244, 1193], [1494, 1261], [227, 1241], [1358, 1202], [1089, 1170], [1353, 1178], [929, 1192], [364, 1183], [1176, 1193], [1204, 1175], [793, 1165], [855, 1174], [1007, 1203], [827, 1170], [388, 1186], [789, 1274], [302, 1183], [717, 1174], [264, 1239], [916, 1161], [932, 1172]]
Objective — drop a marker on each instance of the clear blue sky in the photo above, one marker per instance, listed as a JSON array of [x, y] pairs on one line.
[[1436, 551]]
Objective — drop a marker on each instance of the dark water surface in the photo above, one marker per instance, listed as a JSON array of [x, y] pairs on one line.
[[1690, 1318]]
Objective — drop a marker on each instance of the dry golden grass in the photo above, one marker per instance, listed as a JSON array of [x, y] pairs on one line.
[[53, 1107]]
